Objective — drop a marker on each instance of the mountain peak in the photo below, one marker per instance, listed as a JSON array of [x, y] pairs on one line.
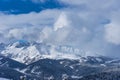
[[20, 43]]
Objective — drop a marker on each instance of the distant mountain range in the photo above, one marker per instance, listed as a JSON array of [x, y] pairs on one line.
[[40, 61], [28, 52]]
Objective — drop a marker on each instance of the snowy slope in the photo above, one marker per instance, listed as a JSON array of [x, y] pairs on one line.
[[19, 52], [7, 62], [26, 52]]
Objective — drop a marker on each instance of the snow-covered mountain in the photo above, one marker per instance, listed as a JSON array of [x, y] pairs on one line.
[[21, 52], [61, 69], [26, 52], [44, 61]]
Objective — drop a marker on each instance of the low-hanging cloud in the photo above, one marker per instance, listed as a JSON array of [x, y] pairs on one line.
[[93, 28], [26, 26], [113, 29]]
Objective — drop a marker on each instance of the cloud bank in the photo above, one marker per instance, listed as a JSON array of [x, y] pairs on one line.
[[90, 25]]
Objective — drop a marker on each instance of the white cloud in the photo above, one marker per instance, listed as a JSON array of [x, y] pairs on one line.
[[93, 29], [61, 22], [33, 19], [113, 29], [84, 24], [113, 33], [26, 25]]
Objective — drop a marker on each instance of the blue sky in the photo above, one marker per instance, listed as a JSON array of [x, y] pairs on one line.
[[27, 6], [91, 25]]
